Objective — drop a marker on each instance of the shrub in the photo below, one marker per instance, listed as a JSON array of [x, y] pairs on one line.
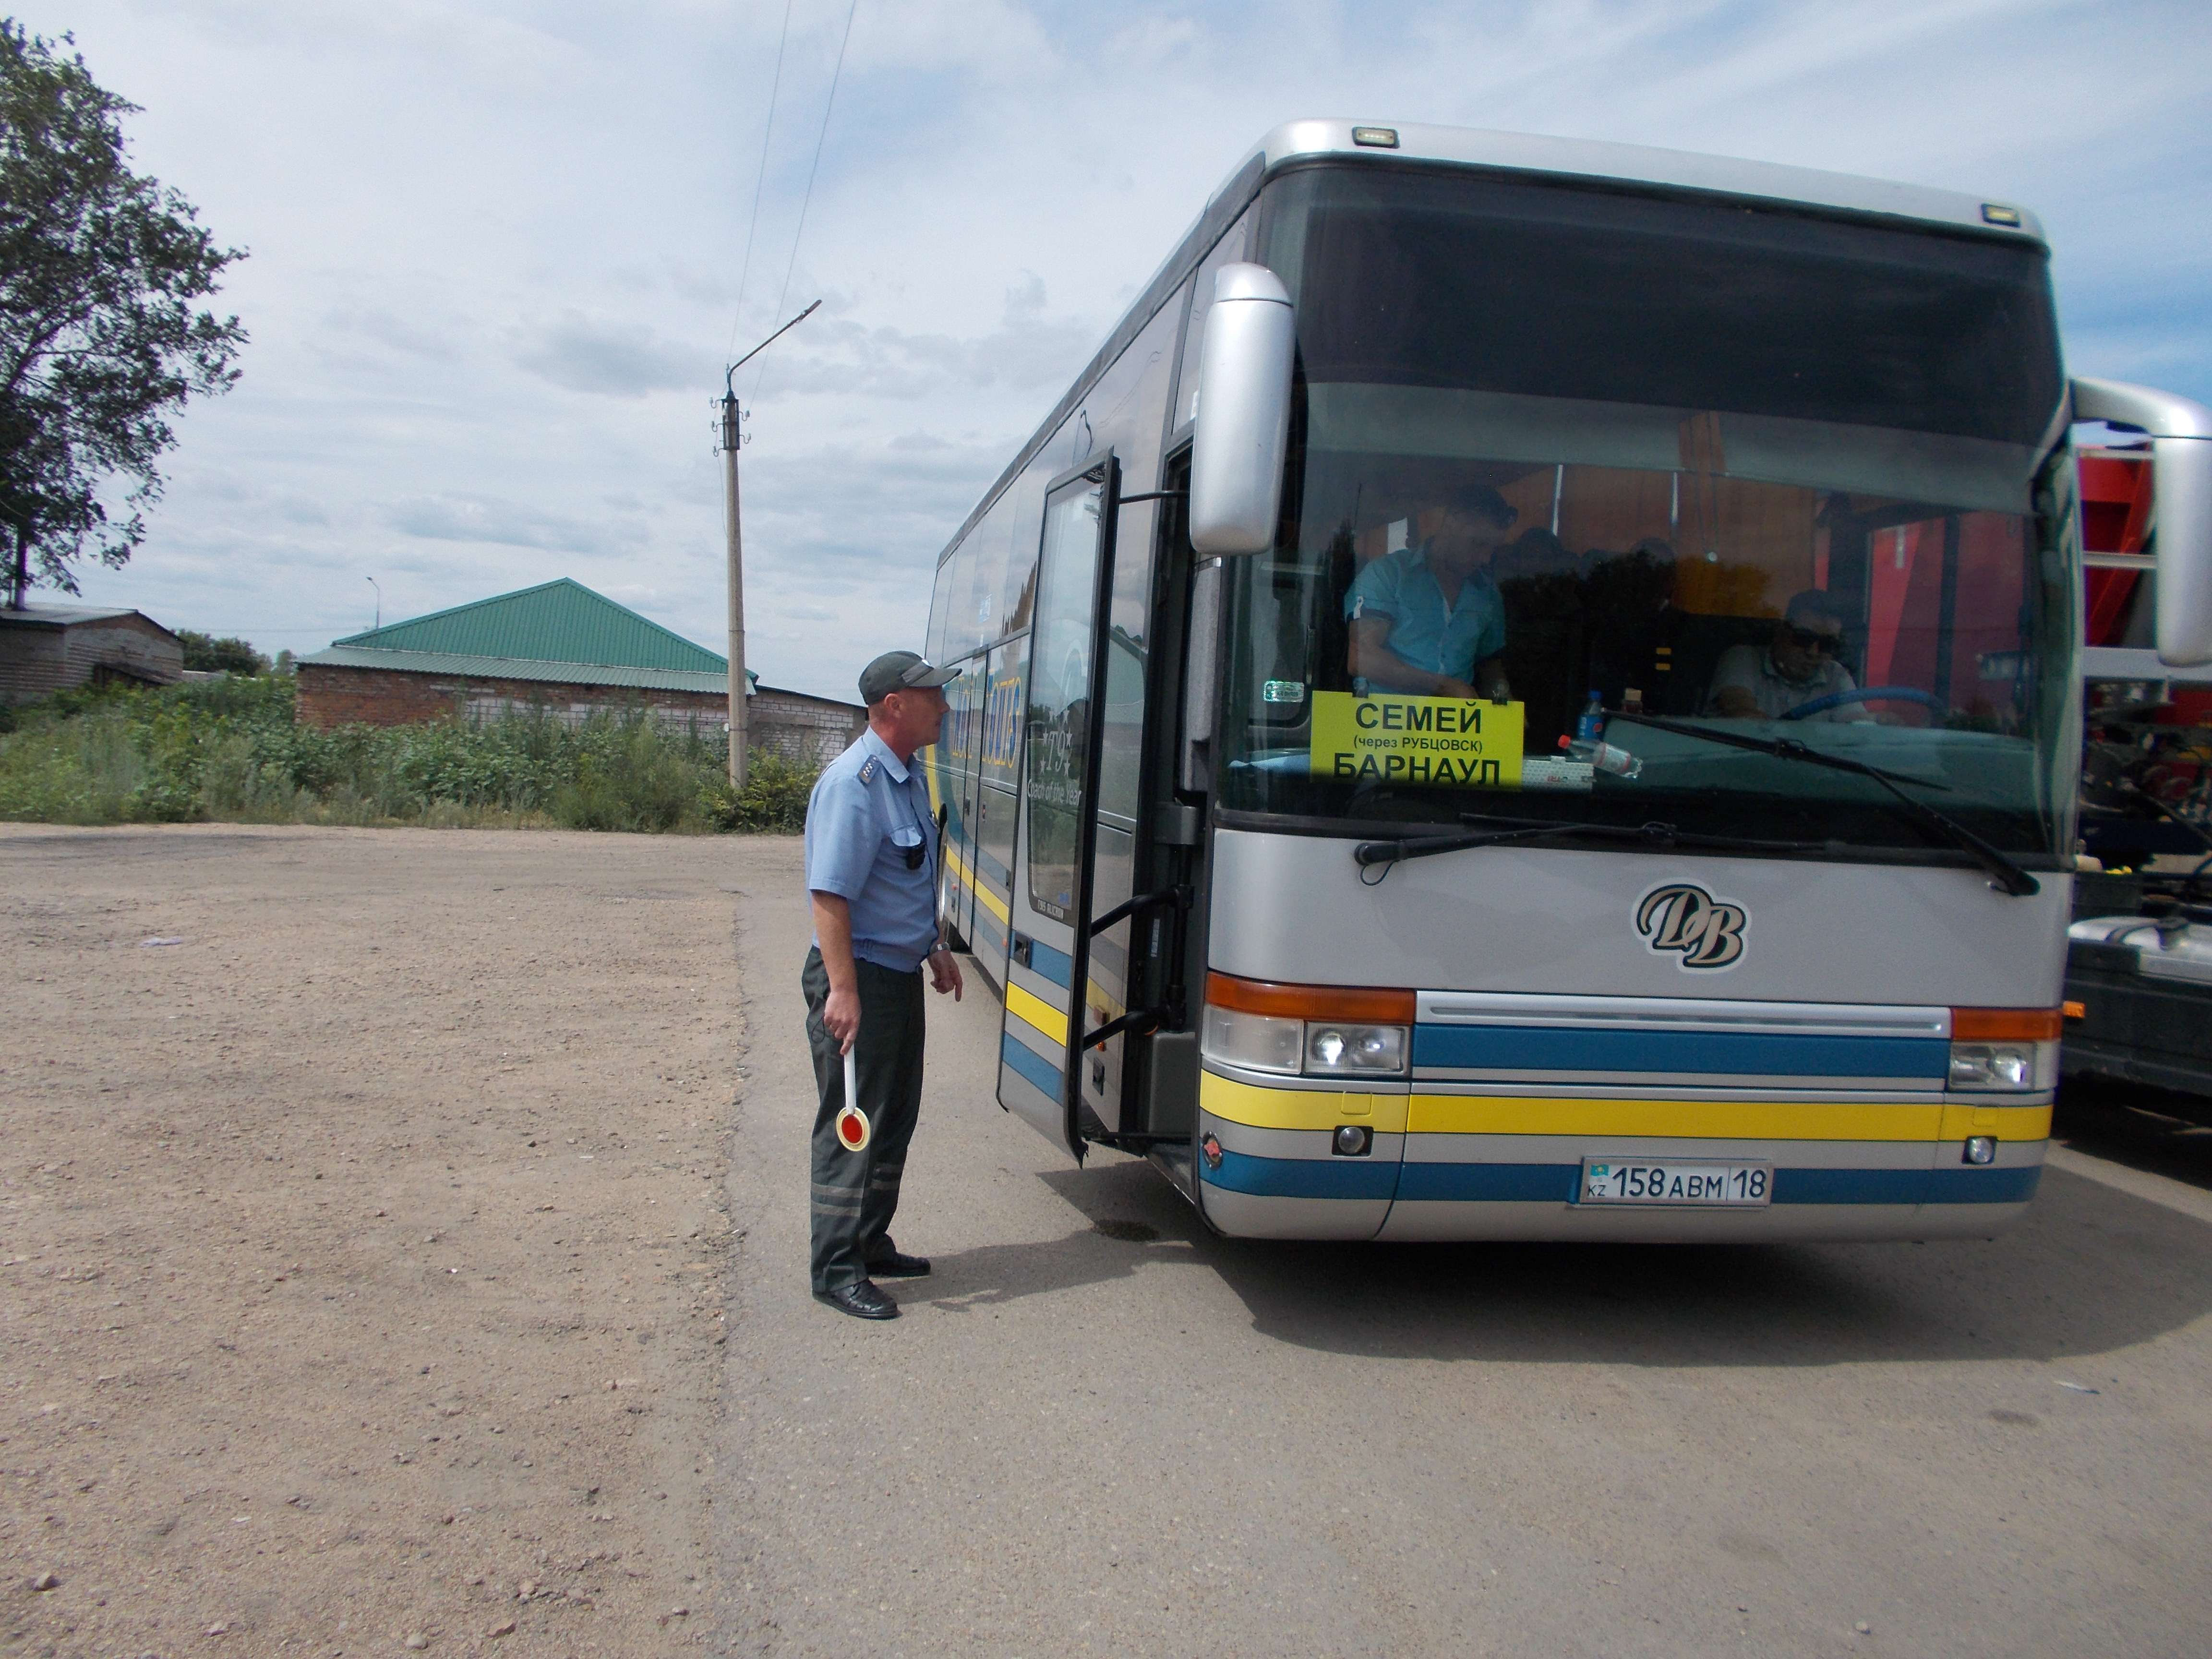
[[230, 749], [773, 801]]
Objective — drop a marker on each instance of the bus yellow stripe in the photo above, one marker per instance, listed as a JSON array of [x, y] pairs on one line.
[[2005, 1123], [1299, 1109], [1037, 1014], [1692, 1120], [989, 900]]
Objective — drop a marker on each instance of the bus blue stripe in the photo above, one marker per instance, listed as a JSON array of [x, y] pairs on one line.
[[1031, 1065], [1054, 965], [1495, 1182], [1303, 1177], [989, 933], [2016, 1185], [1552, 1048]]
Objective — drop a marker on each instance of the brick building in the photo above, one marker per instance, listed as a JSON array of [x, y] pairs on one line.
[[50, 648], [562, 648]]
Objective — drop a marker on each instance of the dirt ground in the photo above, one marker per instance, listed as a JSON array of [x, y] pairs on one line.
[[363, 1244]]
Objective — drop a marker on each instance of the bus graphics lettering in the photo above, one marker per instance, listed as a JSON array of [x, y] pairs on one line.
[[1446, 741]]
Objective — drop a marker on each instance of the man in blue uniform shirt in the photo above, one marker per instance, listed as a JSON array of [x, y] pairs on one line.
[[871, 867], [1429, 620]]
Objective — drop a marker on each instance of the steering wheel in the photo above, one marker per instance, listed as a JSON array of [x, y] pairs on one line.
[[1865, 694]]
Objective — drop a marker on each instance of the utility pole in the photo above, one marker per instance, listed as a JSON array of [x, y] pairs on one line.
[[733, 439], [733, 538]]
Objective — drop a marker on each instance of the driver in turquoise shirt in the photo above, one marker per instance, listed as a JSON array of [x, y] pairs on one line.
[[1429, 620]]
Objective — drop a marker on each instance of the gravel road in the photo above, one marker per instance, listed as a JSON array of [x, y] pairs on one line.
[[427, 1223]]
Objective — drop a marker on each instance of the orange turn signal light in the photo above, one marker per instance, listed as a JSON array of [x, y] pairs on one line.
[[1351, 1003], [2005, 1024], [2076, 1010]]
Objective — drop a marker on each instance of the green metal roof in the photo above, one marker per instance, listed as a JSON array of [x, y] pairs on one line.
[[562, 622], [525, 668]]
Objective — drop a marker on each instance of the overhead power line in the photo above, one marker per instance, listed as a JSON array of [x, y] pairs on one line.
[[753, 225], [806, 201]]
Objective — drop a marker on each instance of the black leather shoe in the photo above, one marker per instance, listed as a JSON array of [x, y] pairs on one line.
[[862, 1301], [896, 1265]]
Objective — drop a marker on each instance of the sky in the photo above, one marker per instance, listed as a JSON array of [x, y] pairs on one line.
[[499, 253]]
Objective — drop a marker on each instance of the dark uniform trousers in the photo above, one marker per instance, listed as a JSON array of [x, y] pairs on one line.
[[855, 1194]]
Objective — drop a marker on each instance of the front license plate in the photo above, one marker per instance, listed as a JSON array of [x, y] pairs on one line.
[[1722, 1186]]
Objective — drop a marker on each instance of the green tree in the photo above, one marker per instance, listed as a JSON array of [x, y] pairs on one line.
[[205, 654], [101, 338]]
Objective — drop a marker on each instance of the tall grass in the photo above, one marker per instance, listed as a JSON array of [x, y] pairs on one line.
[[230, 749]]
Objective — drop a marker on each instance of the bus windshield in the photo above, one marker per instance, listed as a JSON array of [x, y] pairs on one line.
[[1566, 452]]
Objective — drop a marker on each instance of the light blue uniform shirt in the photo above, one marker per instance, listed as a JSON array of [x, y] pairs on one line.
[[1425, 632], [865, 810]]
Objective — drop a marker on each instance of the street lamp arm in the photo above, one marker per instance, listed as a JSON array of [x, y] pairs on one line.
[[729, 385]]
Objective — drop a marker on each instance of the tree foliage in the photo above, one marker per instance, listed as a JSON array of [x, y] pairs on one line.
[[102, 337], [204, 653]]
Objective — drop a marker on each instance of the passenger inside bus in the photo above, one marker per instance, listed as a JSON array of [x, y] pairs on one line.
[[1429, 619], [1797, 667]]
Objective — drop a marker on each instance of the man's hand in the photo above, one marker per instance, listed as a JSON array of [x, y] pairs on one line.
[[1733, 702], [840, 1015], [943, 973], [1448, 687]]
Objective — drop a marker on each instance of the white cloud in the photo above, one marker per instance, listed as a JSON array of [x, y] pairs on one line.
[[620, 359], [489, 519]]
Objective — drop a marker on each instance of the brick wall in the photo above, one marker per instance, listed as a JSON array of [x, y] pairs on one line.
[[332, 696], [812, 731]]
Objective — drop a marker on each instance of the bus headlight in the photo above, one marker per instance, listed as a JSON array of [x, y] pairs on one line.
[[1260, 1042], [2002, 1067], [1317, 1031], [1332, 1049]]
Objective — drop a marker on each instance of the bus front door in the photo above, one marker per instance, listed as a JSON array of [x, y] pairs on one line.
[[1048, 1021]]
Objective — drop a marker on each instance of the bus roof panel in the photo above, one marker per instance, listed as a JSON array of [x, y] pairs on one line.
[[1637, 164]]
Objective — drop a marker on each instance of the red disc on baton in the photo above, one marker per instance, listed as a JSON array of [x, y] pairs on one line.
[[853, 1130]]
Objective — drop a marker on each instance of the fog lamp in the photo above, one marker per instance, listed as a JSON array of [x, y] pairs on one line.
[[1980, 1149], [1352, 1141]]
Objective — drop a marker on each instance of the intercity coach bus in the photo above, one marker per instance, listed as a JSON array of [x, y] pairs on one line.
[[1531, 690]]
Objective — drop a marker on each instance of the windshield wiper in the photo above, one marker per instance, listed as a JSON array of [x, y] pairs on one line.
[[1368, 853], [2005, 876]]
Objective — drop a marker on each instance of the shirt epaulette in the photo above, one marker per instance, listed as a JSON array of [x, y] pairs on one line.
[[868, 769]]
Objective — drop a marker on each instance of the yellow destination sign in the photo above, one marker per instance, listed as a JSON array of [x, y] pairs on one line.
[[1388, 738]]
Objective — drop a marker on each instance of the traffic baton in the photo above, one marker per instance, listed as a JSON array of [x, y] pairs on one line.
[[853, 1130]]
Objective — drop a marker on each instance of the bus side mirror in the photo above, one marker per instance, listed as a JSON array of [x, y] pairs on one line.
[[2181, 459], [1244, 413]]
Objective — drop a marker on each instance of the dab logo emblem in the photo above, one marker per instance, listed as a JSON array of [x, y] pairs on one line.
[[1684, 918]]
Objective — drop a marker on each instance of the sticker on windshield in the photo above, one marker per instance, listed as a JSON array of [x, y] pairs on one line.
[[1387, 739]]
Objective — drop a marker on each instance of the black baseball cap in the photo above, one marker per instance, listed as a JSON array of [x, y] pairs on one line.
[[901, 671]]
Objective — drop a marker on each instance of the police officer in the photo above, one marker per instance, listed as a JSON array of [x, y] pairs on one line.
[[871, 868]]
